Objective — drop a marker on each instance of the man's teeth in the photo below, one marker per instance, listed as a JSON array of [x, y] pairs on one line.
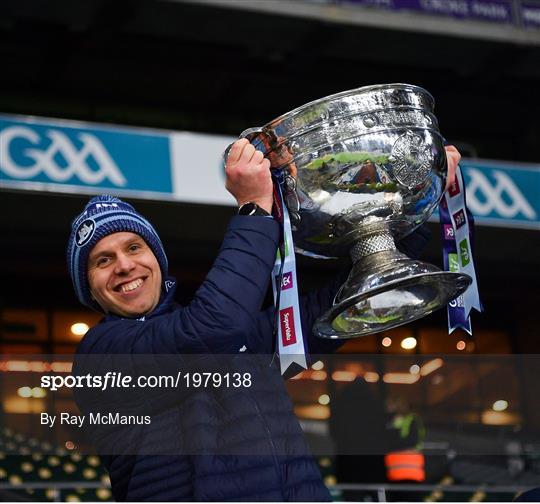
[[132, 285]]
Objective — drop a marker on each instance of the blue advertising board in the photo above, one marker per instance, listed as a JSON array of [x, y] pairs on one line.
[[65, 156], [503, 194], [72, 156]]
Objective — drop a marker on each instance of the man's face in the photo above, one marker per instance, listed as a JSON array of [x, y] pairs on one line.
[[124, 275]]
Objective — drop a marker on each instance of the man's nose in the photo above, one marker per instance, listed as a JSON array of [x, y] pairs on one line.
[[123, 264]]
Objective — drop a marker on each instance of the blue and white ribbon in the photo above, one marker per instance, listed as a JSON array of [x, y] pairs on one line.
[[290, 341], [457, 225]]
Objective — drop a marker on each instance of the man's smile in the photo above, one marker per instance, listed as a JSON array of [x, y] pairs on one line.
[[130, 285], [124, 275]]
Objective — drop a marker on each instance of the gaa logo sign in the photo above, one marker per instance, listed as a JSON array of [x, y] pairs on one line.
[[57, 157], [497, 194]]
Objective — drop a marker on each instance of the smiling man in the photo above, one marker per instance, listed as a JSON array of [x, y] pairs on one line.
[[116, 259], [118, 267], [124, 275]]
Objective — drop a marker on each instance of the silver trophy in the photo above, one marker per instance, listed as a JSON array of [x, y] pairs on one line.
[[362, 169]]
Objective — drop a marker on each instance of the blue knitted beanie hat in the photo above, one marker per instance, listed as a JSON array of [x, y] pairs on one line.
[[102, 216]]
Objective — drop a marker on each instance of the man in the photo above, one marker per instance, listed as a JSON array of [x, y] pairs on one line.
[[118, 266]]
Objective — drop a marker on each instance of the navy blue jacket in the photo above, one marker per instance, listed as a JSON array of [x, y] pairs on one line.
[[207, 428]]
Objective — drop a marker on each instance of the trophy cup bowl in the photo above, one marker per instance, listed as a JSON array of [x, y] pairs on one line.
[[362, 169]]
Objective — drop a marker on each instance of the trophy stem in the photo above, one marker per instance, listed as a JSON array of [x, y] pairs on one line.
[[372, 244], [385, 289]]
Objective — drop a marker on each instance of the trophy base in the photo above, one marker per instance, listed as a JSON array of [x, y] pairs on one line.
[[385, 290]]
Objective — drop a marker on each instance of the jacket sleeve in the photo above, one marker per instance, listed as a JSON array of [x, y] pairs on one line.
[[231, 297], [223, 309]]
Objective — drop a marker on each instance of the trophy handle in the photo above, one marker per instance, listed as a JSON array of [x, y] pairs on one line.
[[289, 186], [250, 134]]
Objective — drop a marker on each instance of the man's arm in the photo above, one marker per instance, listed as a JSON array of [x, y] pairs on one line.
[[226, 304], [222, 311]]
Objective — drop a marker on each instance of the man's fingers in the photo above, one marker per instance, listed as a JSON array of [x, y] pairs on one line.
[[453, 157], [265, 163], [258, 156], [236, 150], [247, 153]]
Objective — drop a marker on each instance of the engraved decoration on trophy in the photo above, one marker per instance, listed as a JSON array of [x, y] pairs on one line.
[[364, 168]]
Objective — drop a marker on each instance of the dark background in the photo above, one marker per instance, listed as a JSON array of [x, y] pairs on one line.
[[184, 66]]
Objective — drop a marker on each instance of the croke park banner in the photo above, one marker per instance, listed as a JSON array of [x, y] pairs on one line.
[[524, 13], [39, 154]]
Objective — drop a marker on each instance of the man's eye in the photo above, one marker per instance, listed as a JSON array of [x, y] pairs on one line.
[[133, 247], [102, 261]]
